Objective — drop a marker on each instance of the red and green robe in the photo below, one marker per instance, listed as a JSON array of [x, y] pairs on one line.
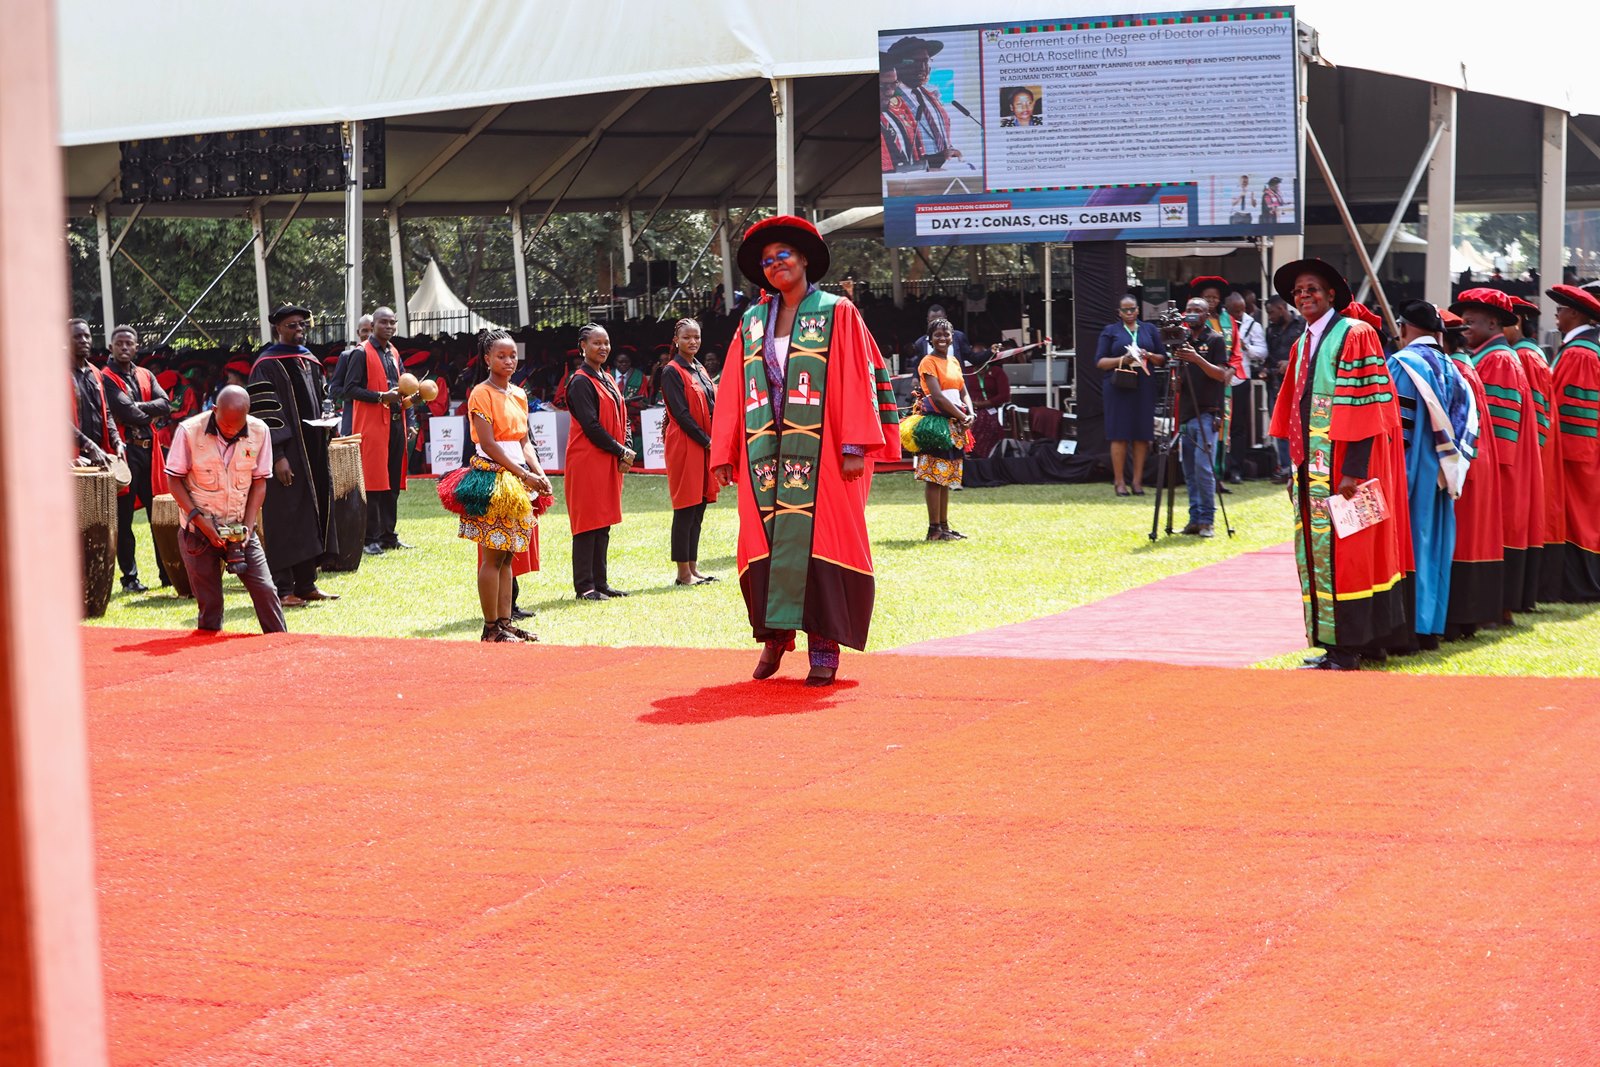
[[1477, 570], [1551, 516], [1514, 426], [804, 559], [1576, 395], [1352, 588]]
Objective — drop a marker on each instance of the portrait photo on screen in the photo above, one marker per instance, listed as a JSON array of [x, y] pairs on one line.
[[1021, 105], [930, 140]]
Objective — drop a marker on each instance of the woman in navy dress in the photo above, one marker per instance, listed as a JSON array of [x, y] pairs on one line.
[[1130, 352]]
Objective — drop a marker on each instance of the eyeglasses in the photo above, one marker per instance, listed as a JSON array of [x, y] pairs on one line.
[[1306, 290], [1127, 311], [783, 256]]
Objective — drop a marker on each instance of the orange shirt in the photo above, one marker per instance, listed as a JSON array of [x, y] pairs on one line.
[[939, 367], [507, 412]]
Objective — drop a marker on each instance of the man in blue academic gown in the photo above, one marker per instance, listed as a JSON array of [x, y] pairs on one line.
[[1436, 424]]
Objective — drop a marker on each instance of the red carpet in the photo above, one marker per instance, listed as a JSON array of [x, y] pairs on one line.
[[364, 852], [1229, 614]]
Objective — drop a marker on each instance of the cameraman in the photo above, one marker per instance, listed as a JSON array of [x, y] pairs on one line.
[[1203, 380], [217, 471]]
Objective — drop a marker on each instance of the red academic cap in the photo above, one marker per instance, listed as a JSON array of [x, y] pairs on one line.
[[1580, 300], [1491, 300], [1524, 305], [1209, 281], [238, 366], [791, 230], [1365, 314], [1451, 320], [417, 359]]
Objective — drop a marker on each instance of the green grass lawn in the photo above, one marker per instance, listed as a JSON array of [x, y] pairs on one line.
[[1033, 551]]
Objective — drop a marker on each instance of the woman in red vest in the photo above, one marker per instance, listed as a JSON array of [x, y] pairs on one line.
[[597, 455], [686, 435]]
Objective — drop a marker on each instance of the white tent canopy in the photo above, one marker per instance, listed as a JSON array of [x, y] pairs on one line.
[[435, 308], [166, 68]]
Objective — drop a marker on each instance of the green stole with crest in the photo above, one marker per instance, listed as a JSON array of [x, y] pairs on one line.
[[784, 463], [1316, 557]]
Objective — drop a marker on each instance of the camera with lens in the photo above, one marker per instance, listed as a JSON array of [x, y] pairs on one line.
[[234, 535], [1179, 326]]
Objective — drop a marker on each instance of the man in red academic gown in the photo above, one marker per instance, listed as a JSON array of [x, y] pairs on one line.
[[1477, 568], [1550, 520], [1512, 419], [1341, 416], [803, 410], [1575, 389], [365, 380]]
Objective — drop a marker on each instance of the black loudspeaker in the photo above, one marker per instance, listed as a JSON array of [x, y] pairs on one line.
[[663, 274], [293, 159]]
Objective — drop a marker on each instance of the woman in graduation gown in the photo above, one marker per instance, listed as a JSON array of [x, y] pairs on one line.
[[804, 408], [597, 455], [686, 438]]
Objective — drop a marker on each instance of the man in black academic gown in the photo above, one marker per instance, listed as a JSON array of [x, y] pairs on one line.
[[298, 513]]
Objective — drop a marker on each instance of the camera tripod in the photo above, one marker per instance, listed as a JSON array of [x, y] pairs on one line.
[[1167, 451]]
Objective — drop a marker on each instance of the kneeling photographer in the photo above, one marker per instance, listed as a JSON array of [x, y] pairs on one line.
[[217, 470], [1204, 378]]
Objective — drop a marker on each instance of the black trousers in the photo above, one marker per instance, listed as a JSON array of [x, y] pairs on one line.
[[383, 507], [1239, 431], [299, 579], [686, 523], [203, 562], [589, 560], [139, 466]]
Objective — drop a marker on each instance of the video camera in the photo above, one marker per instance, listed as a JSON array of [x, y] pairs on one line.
[[1177, 326]]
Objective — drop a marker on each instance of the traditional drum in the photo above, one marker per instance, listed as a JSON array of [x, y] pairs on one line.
[[349, 501], [164, 531], [97, 526]]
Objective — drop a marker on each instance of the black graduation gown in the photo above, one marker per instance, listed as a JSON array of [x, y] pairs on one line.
[[298, 518]]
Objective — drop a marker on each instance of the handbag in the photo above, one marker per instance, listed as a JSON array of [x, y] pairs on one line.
[[1125, 378]]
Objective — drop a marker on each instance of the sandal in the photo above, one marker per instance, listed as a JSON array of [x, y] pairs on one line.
[[954, 535], [495, 635], [935, 534], [517, 632]]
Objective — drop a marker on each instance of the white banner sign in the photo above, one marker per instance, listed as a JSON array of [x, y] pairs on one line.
[[549, 430], [654, 452], [447, 443], [938, 219]]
